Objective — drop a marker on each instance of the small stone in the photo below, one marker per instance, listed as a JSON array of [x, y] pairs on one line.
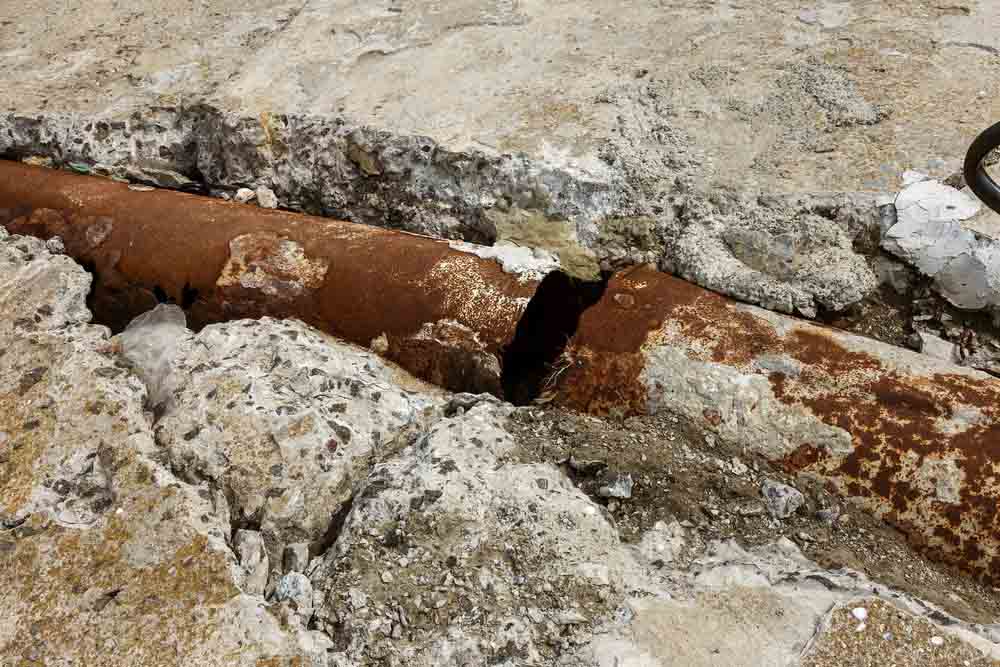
[[397, 631], [570, 617], [738, 467], [55, 246], [266, 198], [937, 641], [249, 547], [860, 613], [782, 500], [616, 485], [386, 577], [296, 588], [243, 195], [828, 515]]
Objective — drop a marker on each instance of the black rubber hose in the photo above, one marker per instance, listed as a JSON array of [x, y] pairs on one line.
[[975, 173]]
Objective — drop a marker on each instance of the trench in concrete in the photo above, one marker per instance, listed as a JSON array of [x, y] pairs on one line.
[[549, 322]]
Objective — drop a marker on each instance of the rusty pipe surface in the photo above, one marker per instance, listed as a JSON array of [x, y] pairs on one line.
[[912, 439], [442, 314]]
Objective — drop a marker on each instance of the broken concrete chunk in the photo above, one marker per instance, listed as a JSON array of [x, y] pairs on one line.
[[244, 195], [43, 290], [937, 347], [779, 254], [526, 263], [965, 267], [296, 589], [781, 500], [929, 201], [249, 548], [151, 343], [266, 198], [498, 517]]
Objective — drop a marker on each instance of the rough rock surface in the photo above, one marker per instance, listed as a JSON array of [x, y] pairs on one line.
[[616, 150], [930, 235], [107, 557], [138, 531]]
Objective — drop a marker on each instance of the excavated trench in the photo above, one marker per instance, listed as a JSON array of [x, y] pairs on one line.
[[878, 424], [446, 315], [550, 320]]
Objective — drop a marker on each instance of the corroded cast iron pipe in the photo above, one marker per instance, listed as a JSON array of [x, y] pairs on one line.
[[913, 439], [443, 314], [975, 173]]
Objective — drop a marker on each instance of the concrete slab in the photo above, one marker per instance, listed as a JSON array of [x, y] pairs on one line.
[[781, 95]]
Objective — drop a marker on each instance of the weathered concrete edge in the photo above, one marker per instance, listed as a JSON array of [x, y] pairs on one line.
[[323, 165]]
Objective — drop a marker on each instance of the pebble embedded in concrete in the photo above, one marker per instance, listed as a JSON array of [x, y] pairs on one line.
[[266, 198], [781, 500]]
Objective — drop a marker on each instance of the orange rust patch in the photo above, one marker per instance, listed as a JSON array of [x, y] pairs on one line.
[[803, 457], [352, 281], [900, 425], [601, 384]]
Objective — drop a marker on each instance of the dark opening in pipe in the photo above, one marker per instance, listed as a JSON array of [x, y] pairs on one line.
[[550, 320]]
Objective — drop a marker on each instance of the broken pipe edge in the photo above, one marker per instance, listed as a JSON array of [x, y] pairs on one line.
[[911, 439]]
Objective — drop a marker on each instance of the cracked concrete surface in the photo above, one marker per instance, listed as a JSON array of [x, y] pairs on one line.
[[475, 73]]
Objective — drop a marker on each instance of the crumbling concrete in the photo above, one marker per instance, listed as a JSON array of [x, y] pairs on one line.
[[118, 516]]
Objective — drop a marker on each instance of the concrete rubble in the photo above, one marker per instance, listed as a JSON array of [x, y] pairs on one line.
[[281, 259], [260, 493]]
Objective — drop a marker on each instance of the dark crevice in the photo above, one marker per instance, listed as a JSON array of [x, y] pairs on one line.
[[91, 268], [238, 519], [188, 296], [322, 545], [548, 324]]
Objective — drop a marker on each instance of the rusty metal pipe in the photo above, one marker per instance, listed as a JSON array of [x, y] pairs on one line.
[[443, 314], [913, 439]]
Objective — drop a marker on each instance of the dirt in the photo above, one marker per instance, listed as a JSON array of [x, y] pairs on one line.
[[889, 637], [680, 473]]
